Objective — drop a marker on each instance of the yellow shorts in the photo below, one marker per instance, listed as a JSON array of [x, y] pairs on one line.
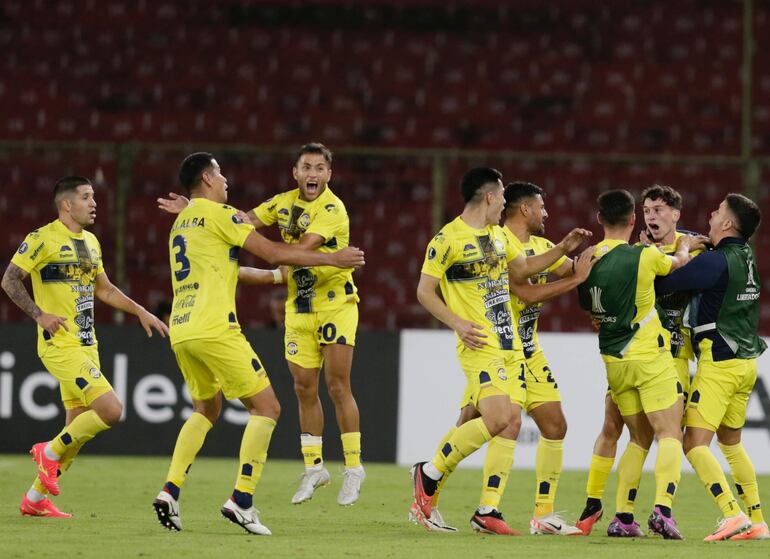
[[643, 386], [541, 386], [683, 376], [720, 393], [501, 369], [307, 333], [228, 364], [80, 376]]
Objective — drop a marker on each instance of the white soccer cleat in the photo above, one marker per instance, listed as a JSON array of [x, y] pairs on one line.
[[248, 519], [553, 525], [312, 479], [433, 524], [167, 509], [351, 486]]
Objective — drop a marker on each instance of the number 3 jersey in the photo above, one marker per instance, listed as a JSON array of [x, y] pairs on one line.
[[63, 266], [203, 251], [472, 266], [316, 288]]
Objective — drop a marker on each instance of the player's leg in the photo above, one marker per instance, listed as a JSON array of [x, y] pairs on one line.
[[713, 390], [602, 460], [338, 361]]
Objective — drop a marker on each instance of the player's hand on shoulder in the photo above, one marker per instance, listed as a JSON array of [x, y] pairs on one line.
[[699, 242], [244, 217], [584, 262], [149, 322], [349, 257], [574, 239], [471, 334], [174, 204], [51, 323]]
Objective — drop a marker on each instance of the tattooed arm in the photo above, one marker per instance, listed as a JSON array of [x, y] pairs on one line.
[[13, 284]]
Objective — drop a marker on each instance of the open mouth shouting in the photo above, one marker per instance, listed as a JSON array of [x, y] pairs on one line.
[[311, 188]]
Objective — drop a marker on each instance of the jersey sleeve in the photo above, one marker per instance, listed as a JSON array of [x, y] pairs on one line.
[[512, 244], [100, 260], [657, 261], [231, 228], [267, 211], [32, 252], [328, 222], [548, 245], [438, 257]]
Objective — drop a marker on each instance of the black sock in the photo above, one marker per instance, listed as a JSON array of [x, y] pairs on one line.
[[172, 490], [626, 517], [592, 507], [665, 511], [429, 484]]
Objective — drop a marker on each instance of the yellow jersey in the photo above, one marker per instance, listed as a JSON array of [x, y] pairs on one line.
[[472, 266], [203, 251], [525, 316], [651, 338], [313, 288], [63, 266]]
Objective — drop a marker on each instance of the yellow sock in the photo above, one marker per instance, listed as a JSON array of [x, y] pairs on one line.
[[601, 466], [466, 440], [82, 429], [629, 475], [711, 475], [312, 448], [497, 466], [188, 444], [351, 449], [745, 479], [668, 470], [548, 460], [443, 479], [256, 439]]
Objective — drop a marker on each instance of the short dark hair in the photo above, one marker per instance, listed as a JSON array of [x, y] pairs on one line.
[[663, 192], [518, 191], [475, 179], [68, 184], [747, 214], [191, 169], [316, 148], [615, 207]]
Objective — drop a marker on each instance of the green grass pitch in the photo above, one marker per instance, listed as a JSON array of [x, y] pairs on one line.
[[111, 499]]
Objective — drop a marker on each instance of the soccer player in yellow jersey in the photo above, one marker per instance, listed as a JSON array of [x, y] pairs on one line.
[[620, 295], [470, 260], [662, 207], [65, 262], [212, 352]]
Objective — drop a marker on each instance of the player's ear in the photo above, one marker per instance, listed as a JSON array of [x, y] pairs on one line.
[[294, 172]]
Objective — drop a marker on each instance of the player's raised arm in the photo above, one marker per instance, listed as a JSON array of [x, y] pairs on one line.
[[108, 293], [175, 203], [538, 293], [470, 333], [279, 253], [523, 267], [13, 285]]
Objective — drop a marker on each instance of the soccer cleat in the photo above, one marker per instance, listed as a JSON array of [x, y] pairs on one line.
[[47, 469], [351, 486], [553, 525], [492, 523], [423, 500], [617, 529], [311, 480], [248, 519], [663, 526], [167, 509], [43, 507], [587, 524], [729, 527], [757, 531], [433, 524]]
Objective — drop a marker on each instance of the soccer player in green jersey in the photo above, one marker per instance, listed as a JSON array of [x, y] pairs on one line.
[[212, 352], [65, 262], [725, 321], [620, 295]]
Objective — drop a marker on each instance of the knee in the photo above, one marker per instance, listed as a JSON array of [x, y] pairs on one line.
[[611, 430], [643, 440], [507, 424], [111, 414], [338, 391], [555, 430], [305, 391]]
